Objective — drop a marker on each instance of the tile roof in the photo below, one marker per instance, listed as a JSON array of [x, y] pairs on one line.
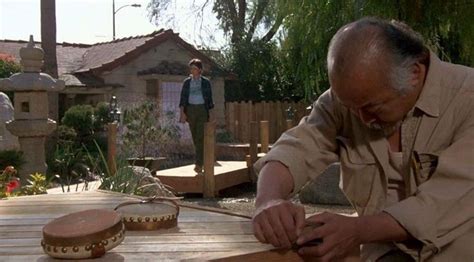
[[91, 60], [69, 55], [103, 53]]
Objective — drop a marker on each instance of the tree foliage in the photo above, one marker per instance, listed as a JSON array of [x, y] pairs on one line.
[[253, 55], [8, 66], [261, 74], [241, 20], [446, 26]]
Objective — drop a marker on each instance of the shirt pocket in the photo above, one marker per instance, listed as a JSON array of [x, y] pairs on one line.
[[358, 171], [425, 165]]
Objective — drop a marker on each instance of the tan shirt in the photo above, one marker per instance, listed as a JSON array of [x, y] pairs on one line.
[[438, 209]]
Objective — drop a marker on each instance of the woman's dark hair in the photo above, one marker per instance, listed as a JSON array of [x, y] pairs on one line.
[[195, 62]]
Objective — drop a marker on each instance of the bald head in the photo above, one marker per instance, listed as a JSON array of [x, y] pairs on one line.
[[372, 46]]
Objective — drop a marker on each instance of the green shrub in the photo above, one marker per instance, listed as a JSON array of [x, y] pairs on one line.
[[37, 184], [68, 164], [80, 118], [141, 129], [224, 137], [102, 116], [8, 67], [11, 158], [66, 134], [146, 130]]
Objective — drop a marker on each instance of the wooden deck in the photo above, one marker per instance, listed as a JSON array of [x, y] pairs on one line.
[[200, 235], [184, 179]]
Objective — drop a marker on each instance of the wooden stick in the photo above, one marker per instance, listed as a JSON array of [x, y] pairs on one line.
[[289, 124], [209, 148], [264, 136], [253, 149], [112, 147]]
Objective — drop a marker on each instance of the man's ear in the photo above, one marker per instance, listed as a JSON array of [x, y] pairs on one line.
[[418, 72]]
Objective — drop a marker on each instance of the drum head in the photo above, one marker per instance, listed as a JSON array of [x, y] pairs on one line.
[[151, 214], [83, 234]]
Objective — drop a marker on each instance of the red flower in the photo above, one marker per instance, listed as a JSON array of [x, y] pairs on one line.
[[6, 57], [14, 183]]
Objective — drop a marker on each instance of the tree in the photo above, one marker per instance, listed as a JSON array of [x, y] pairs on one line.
[[48, 43], [446, 25], [240, 19], [251, 26]]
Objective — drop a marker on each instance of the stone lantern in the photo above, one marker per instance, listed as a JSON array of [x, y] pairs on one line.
[[31, 123]]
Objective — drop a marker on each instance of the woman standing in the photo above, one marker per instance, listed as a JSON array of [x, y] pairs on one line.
[[195, 108]]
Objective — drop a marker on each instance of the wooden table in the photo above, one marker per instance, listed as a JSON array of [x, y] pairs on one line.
[[200, 235]]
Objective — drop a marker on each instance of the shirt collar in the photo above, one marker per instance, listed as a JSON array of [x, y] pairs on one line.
[[429, 99], [197, 78]]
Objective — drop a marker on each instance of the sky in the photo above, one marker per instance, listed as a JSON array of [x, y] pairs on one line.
[[90, 21]]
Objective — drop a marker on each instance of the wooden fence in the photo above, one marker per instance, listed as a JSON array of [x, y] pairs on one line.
[[240, 114]]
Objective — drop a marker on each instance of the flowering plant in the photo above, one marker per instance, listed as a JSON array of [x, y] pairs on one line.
[[9, 183]]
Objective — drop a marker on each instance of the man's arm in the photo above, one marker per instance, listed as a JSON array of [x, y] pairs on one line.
[[300, 153], [274, 182], [276, 220]]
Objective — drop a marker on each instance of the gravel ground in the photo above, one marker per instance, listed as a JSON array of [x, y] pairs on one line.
[[241, 199]]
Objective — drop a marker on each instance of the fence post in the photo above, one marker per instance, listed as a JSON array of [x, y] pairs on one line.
[[112, 147], [253, 137], [209, 147], [264, 135], [289, 123]]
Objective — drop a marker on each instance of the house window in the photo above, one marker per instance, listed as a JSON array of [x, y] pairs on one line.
[[152, 89]]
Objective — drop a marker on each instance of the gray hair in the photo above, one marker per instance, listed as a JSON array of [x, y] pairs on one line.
[[404, 46]]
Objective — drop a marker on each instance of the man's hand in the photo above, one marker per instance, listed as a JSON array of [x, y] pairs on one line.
[[182, 118], [340, 236], [278, 222]]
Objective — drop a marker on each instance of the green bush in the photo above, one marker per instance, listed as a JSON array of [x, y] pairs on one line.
[[224, 137], [66, 134], [11, 158], [80, 118], [102, 116], [8, 67], [37, 184], [141, 129], [84, 124], [146, 130]]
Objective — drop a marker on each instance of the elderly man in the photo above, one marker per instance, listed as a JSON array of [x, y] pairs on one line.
[[401, 123]]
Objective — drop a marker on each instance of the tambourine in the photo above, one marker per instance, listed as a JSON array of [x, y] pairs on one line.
[[150, 214], [84, 234]]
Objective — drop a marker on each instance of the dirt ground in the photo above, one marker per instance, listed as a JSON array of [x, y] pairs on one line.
[[241, 199]]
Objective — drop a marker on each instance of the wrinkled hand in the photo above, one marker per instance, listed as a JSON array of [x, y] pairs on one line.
[[278, 222], [340, 236], [182, 118]]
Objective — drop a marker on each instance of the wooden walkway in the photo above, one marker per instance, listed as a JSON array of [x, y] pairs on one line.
[[184, 179], [200, 235]]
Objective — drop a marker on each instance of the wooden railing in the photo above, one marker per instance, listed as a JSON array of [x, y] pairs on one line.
[[240, 114]]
